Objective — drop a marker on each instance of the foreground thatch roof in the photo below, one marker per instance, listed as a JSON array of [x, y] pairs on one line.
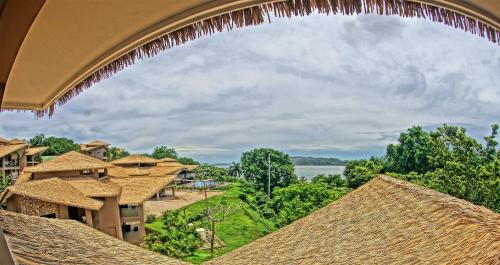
[[53, 190], [139, 189], [68, 162], [386, 221], [37, 240], [135, 160], [94, 188], [11, 148], [35, 150]]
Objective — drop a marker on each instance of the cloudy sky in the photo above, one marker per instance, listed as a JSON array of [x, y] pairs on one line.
[[322, 85]]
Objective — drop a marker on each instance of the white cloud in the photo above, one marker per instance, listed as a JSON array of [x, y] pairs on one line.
[[317, 85]]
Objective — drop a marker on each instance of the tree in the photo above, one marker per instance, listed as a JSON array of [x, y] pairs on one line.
[[163, 152], [59, 145], [115, 153], [333, 181], [235, 170], [300, 199], [207, 171], [358, 172], [412, 152], [187, 161], [37, 140], [255, 164], [5, 181]]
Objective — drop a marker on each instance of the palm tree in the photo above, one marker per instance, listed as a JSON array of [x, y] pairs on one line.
[[235, 169]]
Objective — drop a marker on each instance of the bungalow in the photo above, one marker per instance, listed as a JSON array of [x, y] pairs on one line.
[[140, 178], [96, 148], [12, 159], [187, 172], [34, 155], [77, 187], [28, 239], [385, 221], [70, 186]]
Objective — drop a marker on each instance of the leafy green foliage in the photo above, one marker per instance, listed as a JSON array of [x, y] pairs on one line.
[[163, 152], [5, 181], [255, 167], [239, 227], [207, 171], [37, 140], [358, 172], [235, 170], [176, 238], [447, 160], [290, 203], [187, 161], [298, 200], [57, 145], [115, 153], [333, 181]]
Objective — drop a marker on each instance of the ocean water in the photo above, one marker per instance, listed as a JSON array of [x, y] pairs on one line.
[[311, 171]]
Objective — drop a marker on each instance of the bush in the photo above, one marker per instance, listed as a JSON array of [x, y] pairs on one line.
[[178, 240], [150, 218]]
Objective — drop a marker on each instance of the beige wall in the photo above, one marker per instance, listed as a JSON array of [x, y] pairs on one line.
[[109, 218]]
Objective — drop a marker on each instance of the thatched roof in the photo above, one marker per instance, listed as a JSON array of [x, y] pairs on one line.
[[11, 148], [139, 189], [23, 177], [53, 190], [35, 150], [168, 162], [68, 162], [135, 160], [153, 171], [37, 240], [3, 140], [98, 143], [386, 221], [94, 188], [16, 141]]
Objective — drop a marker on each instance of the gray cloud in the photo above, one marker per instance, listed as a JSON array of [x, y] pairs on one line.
[[319, 85]]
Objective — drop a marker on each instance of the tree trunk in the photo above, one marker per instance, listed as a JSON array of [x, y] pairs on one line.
[[212, 240]]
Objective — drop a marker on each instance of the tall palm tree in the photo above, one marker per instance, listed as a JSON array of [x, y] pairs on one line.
[[235, 169]]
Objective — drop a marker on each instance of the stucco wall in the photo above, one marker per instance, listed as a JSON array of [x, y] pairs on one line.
[[109, 218]]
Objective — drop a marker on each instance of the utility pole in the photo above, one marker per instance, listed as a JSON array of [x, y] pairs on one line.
[[269, 176]]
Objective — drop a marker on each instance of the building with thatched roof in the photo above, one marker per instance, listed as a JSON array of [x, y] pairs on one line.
[[96, 148], [36, 240], [385, 221], [77, 186], [34, 155], [84, 199], [136, 161], [12, 158], [70, 164]]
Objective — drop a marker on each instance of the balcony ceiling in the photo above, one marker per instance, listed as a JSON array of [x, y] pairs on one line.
[[51, 50]]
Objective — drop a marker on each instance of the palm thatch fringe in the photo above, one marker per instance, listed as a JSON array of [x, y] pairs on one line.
[[256, 15]]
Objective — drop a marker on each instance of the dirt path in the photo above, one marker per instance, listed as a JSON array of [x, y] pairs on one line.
[[182, 199]]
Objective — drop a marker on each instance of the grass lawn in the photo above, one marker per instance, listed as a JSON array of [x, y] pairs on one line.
[[241, 226]]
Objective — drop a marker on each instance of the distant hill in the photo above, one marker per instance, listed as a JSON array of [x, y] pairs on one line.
[[317, 161]]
